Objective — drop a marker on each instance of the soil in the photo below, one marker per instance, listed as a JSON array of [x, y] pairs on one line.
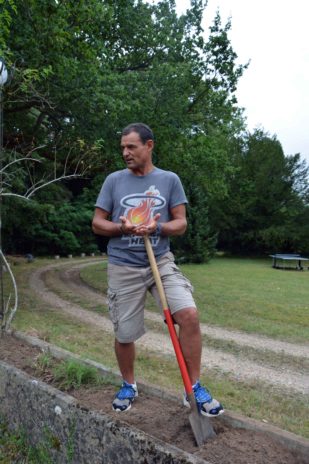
[[160, 418]]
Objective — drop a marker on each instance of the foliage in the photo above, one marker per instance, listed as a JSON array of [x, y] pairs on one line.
[[7, 9], [57, 223], [100, 65], [266, 207], [198, 244], [110, 63], [97, 67]]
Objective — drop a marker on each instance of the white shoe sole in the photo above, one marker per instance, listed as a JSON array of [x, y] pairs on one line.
[[122, 410], [206, 414]]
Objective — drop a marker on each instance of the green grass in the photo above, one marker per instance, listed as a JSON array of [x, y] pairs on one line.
[[250, 295], [218, 285], [96, 276], [73, 374], [242, 294]]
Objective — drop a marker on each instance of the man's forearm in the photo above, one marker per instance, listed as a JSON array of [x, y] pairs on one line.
[[174, 227], [107, 228]]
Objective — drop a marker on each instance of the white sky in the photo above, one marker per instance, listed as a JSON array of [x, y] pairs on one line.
[[274, 90]]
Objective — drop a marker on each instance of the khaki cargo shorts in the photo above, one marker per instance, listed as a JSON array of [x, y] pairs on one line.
[[127, 291]]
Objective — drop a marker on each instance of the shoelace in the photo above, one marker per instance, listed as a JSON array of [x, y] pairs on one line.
[[201, 394], [126, 392]]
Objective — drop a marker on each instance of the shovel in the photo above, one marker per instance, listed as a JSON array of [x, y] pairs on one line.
[[201, 427]]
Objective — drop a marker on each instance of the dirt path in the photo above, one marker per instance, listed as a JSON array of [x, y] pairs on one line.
[[238, 366]]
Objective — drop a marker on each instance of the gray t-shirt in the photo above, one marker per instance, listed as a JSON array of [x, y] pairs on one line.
[[139, 198]]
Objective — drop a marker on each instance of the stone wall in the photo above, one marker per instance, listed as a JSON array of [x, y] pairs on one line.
[[76, 435]]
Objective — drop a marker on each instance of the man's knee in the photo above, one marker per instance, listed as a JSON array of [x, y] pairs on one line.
[[187, 317]]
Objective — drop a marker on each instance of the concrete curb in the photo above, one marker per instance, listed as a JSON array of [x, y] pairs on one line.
[[291, 441], [75, 434]]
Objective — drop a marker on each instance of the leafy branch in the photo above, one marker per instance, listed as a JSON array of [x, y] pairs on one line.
[[7, 177]]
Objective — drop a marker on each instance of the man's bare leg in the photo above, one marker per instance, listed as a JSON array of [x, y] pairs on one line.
[[190, 340], [125, 353], [191, 345]]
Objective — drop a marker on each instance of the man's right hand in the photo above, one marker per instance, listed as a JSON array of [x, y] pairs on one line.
[[126, 227]]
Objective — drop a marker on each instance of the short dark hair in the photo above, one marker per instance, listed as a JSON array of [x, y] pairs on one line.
[[141, 129]]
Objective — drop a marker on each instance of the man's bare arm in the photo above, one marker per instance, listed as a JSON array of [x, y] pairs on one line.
[[178, 224], [102, 225]]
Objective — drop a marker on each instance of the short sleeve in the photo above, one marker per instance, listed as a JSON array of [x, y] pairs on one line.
[[178, 196], [105, 198]]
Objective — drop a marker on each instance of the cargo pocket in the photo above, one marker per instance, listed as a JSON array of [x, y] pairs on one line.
[[182, 278], [112, 307]]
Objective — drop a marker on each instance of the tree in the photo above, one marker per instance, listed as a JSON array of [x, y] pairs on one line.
[[267, 197], [99, 65], [199, 242]]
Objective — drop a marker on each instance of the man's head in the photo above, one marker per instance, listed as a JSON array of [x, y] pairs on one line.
[[137, 145], [144, 131]]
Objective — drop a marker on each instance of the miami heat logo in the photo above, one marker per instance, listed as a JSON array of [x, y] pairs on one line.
[[140, 209]]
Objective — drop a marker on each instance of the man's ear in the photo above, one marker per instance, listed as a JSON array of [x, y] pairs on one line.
[[150, 144]]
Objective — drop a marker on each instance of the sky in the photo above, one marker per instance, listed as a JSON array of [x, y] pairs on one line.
[[274, 90]]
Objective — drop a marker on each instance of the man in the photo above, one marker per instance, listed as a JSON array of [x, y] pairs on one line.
[[133, 202]]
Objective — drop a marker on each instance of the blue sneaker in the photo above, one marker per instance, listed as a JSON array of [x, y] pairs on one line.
[[207, 405], [125, 397]]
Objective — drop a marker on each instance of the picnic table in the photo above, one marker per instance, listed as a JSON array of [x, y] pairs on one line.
[[280, 259]]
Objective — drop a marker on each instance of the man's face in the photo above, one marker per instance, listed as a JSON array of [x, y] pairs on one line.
[[136, 154]]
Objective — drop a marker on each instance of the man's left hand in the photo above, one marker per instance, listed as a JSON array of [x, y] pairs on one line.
[[150, 228]]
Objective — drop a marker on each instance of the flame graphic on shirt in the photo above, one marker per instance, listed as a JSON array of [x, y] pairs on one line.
[[141, 207], [142, 213]]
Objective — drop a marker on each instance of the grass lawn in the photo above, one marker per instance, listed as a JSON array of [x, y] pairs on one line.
[[242, 294]]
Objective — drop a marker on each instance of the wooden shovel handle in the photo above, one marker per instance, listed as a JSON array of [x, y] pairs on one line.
[[168, 317]]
